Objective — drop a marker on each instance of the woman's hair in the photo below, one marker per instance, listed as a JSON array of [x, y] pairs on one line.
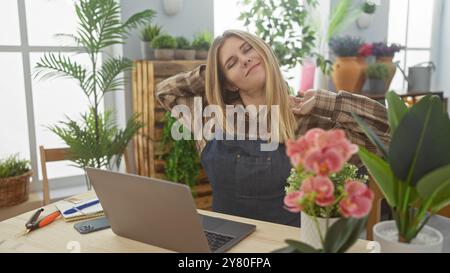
[[276, 88]]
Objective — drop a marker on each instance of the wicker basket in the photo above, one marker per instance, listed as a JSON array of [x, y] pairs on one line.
[[14, 190]]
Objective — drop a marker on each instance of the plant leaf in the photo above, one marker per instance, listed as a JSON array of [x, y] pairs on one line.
[[441, 198], [382, 174], [358, 228], [371, 135], [428, 184], [301, 247], [343, 234], [421, 142], [396, 110], [436, 185]]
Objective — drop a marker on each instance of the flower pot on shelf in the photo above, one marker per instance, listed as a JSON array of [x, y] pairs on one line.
[[429, 240], [201, 54], [184, 54], [164, 54], [391, 67], [309, 233], [346, 74], [147, 51], [377, 86], [362, 76]]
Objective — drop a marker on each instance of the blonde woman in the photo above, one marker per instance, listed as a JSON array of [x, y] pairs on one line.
[[242, 70]]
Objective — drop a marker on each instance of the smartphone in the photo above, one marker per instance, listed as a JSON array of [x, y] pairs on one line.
[[92, 225]]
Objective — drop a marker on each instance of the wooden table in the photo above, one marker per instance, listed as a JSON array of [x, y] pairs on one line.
[[60, 236]]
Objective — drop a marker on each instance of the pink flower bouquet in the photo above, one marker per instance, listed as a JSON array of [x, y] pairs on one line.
[[323, 184]]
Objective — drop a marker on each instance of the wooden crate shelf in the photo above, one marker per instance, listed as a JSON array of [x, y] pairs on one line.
[[147, 142]]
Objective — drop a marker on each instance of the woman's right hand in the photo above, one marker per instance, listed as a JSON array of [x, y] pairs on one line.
[[303, 105]]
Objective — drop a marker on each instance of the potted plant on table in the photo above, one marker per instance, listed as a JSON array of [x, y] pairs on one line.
[[332, 200], [164, 46], [413, 173], [147, 35], [201, 43], [385, 54], [184, 50], [15, 176], [346, 72], [96, 140], [377, 74]]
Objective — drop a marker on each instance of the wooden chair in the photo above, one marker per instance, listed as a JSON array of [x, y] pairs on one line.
[[59, 154], [375, 213]]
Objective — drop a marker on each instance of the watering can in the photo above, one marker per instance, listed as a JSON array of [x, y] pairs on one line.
[[419, 76]]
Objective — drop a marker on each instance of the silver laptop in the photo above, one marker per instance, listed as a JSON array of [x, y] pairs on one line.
[[162, 214]]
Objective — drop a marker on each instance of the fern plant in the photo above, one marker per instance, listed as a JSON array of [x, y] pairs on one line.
[[96, 139]]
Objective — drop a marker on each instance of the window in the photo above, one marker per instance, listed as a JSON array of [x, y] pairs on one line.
[[28, 105], [411, 25]]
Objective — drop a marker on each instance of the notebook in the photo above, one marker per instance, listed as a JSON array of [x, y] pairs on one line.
[[85, 213]]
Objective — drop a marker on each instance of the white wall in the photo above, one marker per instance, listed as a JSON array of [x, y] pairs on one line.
[[378, 29], [443, 60]]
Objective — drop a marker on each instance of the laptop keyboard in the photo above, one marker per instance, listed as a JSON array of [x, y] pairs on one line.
[[217, 240]]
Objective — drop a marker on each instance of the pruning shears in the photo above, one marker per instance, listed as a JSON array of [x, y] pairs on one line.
[[34, 222]]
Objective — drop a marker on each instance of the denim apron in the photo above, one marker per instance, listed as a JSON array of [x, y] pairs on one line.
[[248, 182]]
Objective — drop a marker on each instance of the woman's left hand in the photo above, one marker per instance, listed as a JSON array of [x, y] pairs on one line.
[[303, 105]]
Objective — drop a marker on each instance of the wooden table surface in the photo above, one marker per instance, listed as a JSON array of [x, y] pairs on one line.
[[60, 236]]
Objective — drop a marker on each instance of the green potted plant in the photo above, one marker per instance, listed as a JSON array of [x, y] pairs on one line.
[[96, 140], [15, 176], [201, 43], [413, 173], [377, 74], [164, 46], [147, 35], [347, 71], [385, 53], [368, 9], [184, 49], [182, 161]]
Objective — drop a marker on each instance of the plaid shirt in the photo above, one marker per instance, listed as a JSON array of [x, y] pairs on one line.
[[331, 110]]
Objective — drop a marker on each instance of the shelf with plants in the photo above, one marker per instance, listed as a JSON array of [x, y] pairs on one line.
[[151, 155]]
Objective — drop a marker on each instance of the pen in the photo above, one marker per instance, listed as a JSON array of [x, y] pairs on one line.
[[75, 209]]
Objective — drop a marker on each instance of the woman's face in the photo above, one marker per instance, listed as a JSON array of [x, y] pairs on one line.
[[242, 66]]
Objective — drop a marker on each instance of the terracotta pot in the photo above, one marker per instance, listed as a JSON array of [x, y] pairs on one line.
[[362, 77], [346, 74], [391, 67], [308, 230]]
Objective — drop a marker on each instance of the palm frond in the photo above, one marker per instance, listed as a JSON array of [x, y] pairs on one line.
[[59, 66], [139, 19], [75, 41], [109, 74]]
